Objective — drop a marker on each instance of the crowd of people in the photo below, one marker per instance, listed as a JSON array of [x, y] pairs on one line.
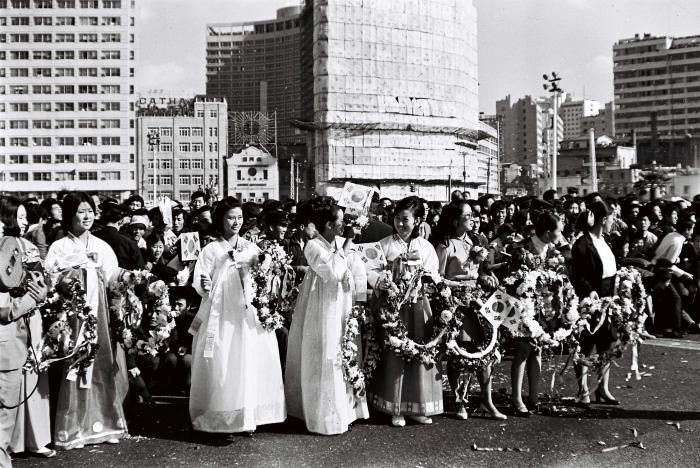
[[237, 374]]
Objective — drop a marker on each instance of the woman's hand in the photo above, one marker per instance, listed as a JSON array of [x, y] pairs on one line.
[[36, 287], [489, 281], [383, 282], [205, 281]]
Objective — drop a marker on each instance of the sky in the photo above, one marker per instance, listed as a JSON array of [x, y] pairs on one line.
[[518, 40]]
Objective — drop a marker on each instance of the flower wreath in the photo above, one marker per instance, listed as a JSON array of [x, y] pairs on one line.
[[396, 336], [58, 343], [126, 311], [540, 310], [268, 275], [626, 311], [357, 375]]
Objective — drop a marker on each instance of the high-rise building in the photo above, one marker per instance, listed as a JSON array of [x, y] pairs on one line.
[[190, 148], [390, 95], [573, 111], [67, 85], [657, 96], [523, 124], [256, 67], [603, 123], [489, 153]]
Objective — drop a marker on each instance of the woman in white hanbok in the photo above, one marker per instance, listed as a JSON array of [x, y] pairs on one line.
[[236, 372], [316, 388], [89, 409]]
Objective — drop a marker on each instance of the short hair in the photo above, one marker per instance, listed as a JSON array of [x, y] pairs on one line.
[[217, 217], [549, 194], [178, 211], [272, 205], [446, 228], [505, 229], [685, 224], [546, 222], [456, 196], [154, 237], [668, 209], [198, 194], [413, 204], [323, 210], [497, 205], [49, 203], [71, 202], [135, 198], [8, 215], [35, 212]]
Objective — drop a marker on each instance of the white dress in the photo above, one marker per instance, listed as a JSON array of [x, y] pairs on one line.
[[236, 373], [315, 386]]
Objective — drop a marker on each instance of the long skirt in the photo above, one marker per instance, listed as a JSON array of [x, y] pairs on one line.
[[407, 388]]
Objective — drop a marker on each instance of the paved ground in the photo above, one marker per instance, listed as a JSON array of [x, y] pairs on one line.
[[663, 408]]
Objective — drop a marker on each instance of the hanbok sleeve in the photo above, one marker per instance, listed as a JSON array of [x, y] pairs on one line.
[[442, 255], [430, 262], [203, 267], [329, 266], [110, 265], [359, 273]]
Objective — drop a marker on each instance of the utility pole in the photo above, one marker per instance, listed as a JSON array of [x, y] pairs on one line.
[[552, 85]]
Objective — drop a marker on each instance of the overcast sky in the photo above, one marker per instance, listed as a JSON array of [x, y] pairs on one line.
[[519, 40]]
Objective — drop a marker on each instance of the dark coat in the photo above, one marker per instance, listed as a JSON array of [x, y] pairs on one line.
[[586, 267], [374, 232], [129, 256]]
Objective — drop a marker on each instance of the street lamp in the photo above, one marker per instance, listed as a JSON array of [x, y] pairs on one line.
[[552, 85], [154, 142]]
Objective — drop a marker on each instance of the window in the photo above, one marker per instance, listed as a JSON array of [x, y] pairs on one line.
[[20, 21], [212, 113], [19, 72], [238, 175], [65, 3], [19, 55], [87, 54], [20, 3], [64, 107], [111, 4], [110, 55], [213, 131], [111, 175], [64, 176], [184, 180], [265, 174], [111, 141], [19, 37], [213, 164], [165, 164], [43, 3], [41, 159], [196, 131], [19, 89], [111, 106], [19, 177], [111, 20], [196, 147], [41, 141], [87, 37], [87, 71], [65, 55], [19, 124], [200, 112], [185, 131], [88, 4], [213, 147], [184, 164], [64, 20], [197, 180], [197, 164], [87, 123], [87, 175], [110, 123], [42, 72], [65, 141], [111, 37], [88, 20], [41, 124], [64, 72], [87, 89], [165, 147], [184, 147], [19, 159], [111, 72], [185, 195], [65, 89], [111, 158], [87, 106], [19, 107], [165, 180], [43, 37], [64, 158], [166, 131], [87, 158], [41, 106]]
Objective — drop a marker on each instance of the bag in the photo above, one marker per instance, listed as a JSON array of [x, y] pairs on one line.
[[12, 270], [15, 265]]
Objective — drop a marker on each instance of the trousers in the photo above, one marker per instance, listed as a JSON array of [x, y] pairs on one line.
[[10, 383]]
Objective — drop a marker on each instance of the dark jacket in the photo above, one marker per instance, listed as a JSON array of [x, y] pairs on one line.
[[129, 256], [374, 232], [586, 267]]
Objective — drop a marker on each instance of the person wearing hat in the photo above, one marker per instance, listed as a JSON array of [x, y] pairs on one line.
[[276, 226], [137, 228], [129, 255]]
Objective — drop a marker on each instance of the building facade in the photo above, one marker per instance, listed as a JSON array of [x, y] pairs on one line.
[[192, 144], [390, 91], [602, 124], [66, 86], [657, 96], [489, 154], [256, 66], [251, 176], [573, 111]]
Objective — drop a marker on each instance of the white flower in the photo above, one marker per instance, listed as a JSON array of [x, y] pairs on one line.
[[394, 342], [446, 316]]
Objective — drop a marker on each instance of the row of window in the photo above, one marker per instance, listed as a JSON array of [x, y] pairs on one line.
[[184, 147], [61, 106], [62, 158], [183, 179], [46, 124], [65, 141], [60, 176], [62, 37], [183, 164], [62, 21], [62, 89], [49, 72], [64, 55], [93, 4]]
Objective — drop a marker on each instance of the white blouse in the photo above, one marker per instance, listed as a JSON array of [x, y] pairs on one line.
[[606, 256]]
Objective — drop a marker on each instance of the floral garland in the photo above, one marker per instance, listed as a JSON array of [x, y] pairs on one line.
[[396, 335], [58, 343], [268, 275], [127, 314], [357, 375], [550, 305], [626, 311]]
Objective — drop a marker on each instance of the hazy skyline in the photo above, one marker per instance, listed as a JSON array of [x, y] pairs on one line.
[[519, 40]]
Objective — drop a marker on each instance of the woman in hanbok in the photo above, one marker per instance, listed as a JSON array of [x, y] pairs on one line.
[[455, 251], [32, 427], [89, 408], [316, 388], [400, 388], [236, 373]]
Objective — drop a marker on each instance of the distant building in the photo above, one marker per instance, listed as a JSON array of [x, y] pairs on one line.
[[67, 78], [603, 123], [657, 81], [251, 176], [489, 153], [193, 144], [256, 67], [573, 111]]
